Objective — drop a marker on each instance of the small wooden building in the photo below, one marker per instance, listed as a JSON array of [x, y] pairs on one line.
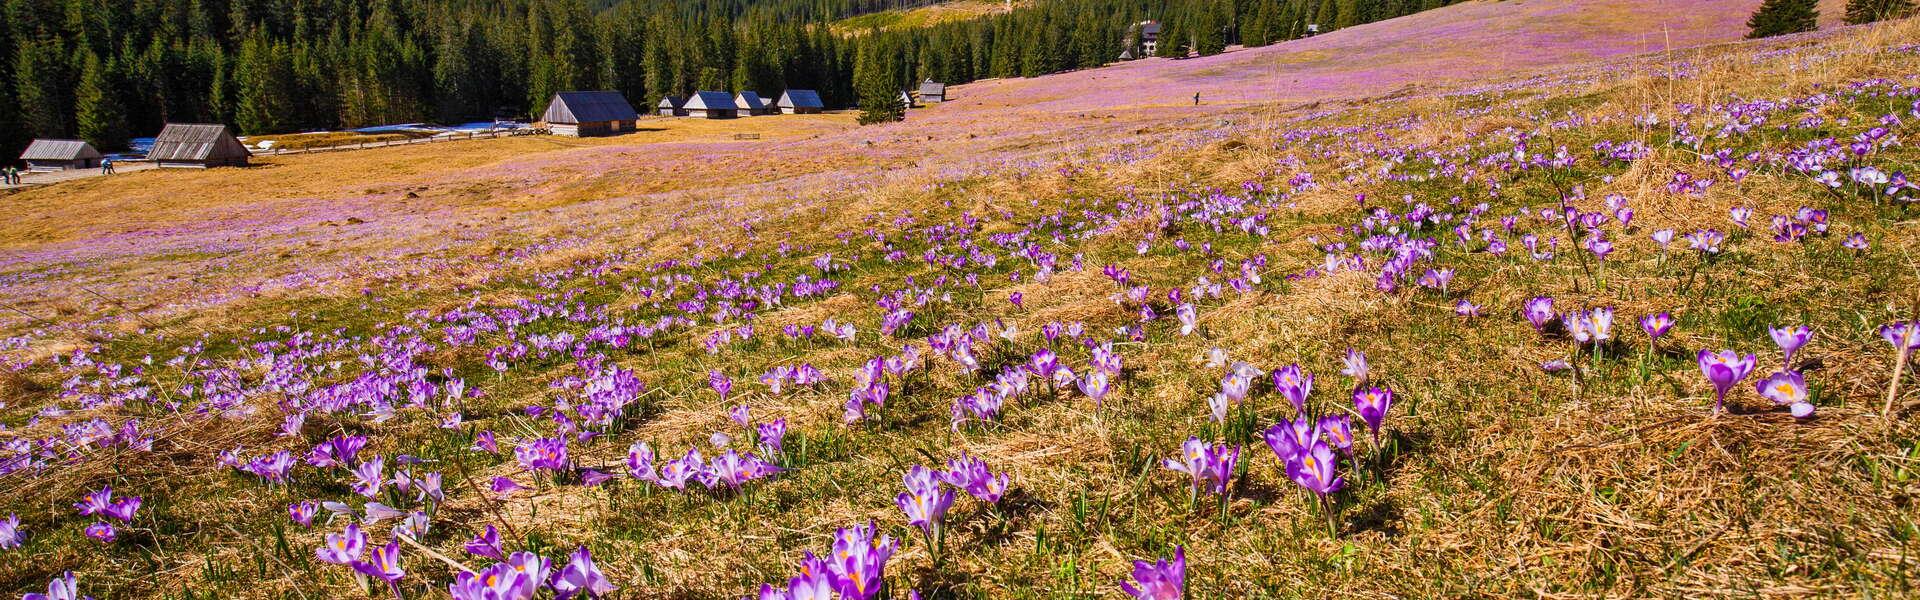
[[932, 92], [197, 146], [60, 155], [800, 102], [906, 99], [751, 104], [711, 105], [672, 106], [587, 114]]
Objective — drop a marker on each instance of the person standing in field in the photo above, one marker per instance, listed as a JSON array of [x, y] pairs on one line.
[[106, 167], [1196, 98]]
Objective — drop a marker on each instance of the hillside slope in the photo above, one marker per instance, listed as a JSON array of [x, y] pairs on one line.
[[516, 346]]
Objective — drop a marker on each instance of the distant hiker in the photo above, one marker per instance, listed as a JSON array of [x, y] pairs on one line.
[[106, 167], [1196, 98], [12, 176]]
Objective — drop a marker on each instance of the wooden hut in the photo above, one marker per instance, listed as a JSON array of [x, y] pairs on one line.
[[60, 155], [750, 103], [800, 102], [195, 146], [711, 105], [906, 99], [672, 106], [932, 92], [587, 114]]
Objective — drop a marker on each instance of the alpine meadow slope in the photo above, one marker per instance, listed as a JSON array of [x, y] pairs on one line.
[[1429, 307]]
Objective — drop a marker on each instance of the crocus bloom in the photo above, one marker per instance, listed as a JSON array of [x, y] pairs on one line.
[[487, 544], [1159, 580], [101, 530], [302, 512], [971, 474], [1316, 469], [1724, 368], [1784, 388], [368, 477], [925, 502], [1354, 365], [542, 454], [1538, 311], [1095, 385], [720, 383], [1188, 318], [1904, 337], [536, 568], [1790, 339], [382, 563], [1339, 431], [1372, 404], [343, 548], [859, 561], [581, 576], [1296, 385], [498, 582], [1656, 325], [64, 587], [10, 536]]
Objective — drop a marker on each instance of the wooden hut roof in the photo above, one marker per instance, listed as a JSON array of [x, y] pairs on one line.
[[932, 88], [749, 101], [704, 100], [59, 150], [672, 102], [801, 99], [589, 107], [195, 142]]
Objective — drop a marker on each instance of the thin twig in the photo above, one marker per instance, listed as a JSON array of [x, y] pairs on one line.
[[430, 552]]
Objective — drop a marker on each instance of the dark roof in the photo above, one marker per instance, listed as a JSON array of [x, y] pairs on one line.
[[749, 101], [801, 99], [191, 142], [672, 102], [589, 107], [59, 150], [1150, 28], [933, 88], [704, 100]]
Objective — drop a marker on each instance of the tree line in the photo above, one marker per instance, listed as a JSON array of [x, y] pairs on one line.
[[107, 70]]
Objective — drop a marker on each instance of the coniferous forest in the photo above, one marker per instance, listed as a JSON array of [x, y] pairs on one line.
[[109, 70]]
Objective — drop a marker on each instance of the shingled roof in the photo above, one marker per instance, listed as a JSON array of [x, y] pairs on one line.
[[933, 88], [195, 142], [704, 100], [801, 99], [52, 150], [589, 107], [750, 101]]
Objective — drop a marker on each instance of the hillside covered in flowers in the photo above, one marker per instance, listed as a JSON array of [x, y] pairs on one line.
[[1625, 323]]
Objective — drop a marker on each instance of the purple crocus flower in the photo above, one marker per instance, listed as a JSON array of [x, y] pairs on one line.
[[1159, 580], [1015, 298], [1656, 326], [343, 548], [302, 512], [1790, 339], [536, 568], [1295, 385], [720, 383], [925, 502], [772, 435], [1209, 466], [859, 561], [1339, 432], [1095, 385], [96, 503], [741, 416], [487, 544], [581, 576], [502, 486], [971, 474], [548, 454], [1856, 242], [382, 563], [1724, 368], [1905, 337], [1372, 403], [369, 477], [10, 536], [101, 530], [498, 582], [1785, 388], [1354, 365], [1317, 470], [1538, 311], [64, 587]]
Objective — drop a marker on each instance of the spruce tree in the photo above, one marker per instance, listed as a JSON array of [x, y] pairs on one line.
[[1868, 11], [1781, 17], [100, 120], [879, 91]]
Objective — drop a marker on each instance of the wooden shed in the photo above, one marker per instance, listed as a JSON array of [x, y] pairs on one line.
[[586, 114], [672, 106], [711, 105], [197, 146], [800, 102], [60, 155], [932, 92], [750, 103]]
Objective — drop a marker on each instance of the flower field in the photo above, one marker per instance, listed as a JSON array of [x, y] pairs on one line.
[[1606, 323]]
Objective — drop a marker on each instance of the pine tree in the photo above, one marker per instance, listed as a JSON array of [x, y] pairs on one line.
[[1781, 17], [41, 75], [1868, 11], [99, 117], [878, 89]]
